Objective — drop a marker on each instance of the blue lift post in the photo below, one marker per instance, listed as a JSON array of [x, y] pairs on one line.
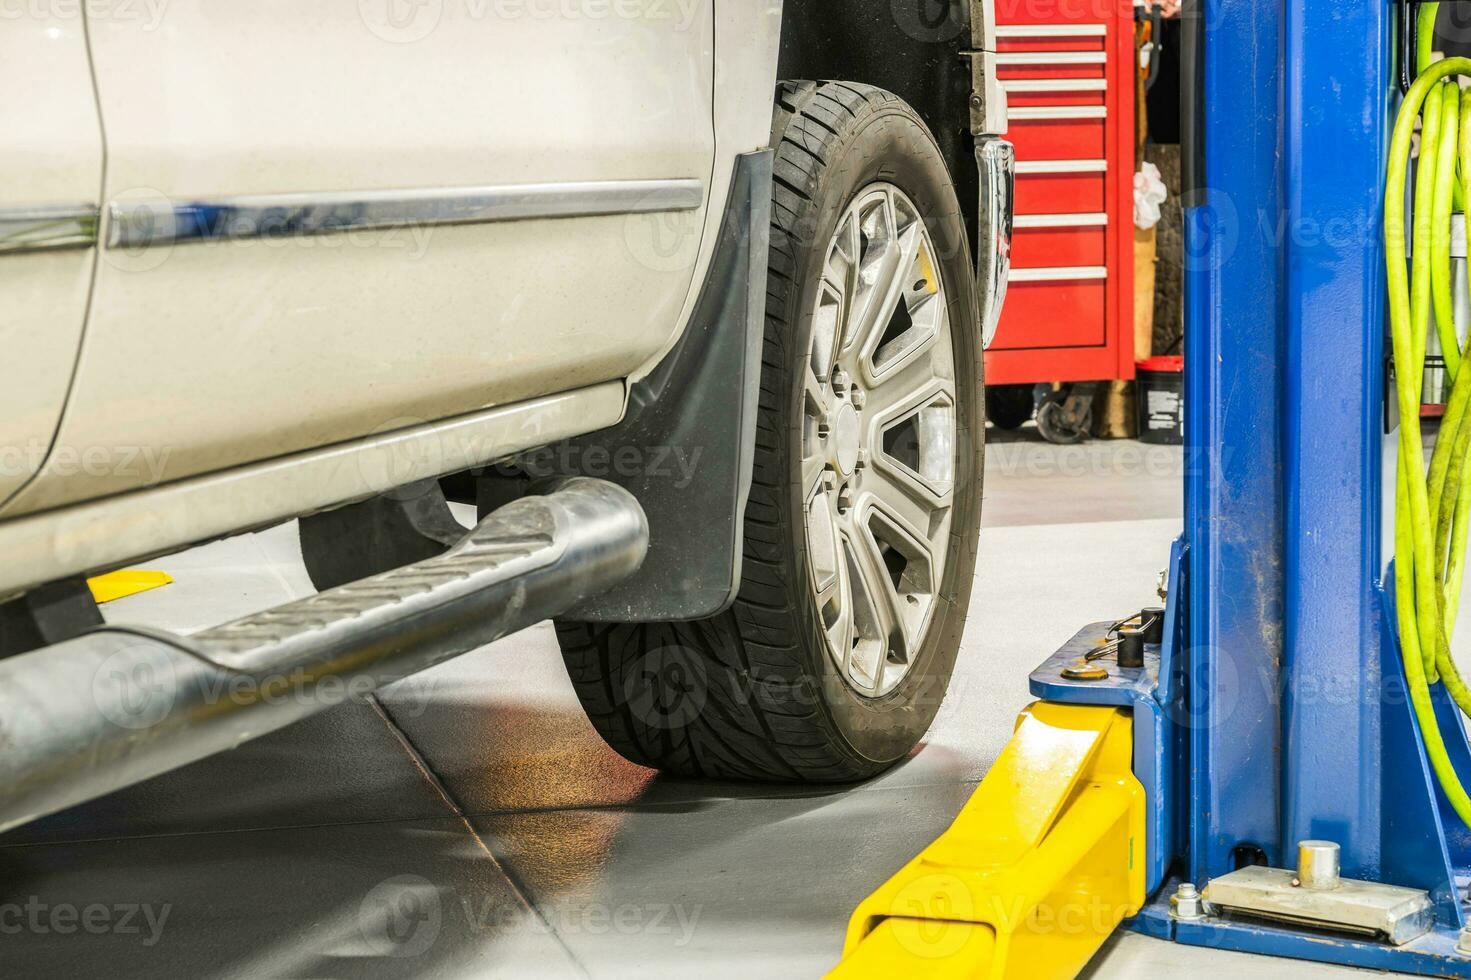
[[1275, 711]]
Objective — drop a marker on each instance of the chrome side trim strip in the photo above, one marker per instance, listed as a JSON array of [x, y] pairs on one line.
[[139, 224], [26, 229]]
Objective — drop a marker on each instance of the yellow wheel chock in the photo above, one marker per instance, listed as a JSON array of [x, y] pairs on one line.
[[1037, 870], [120, 584]]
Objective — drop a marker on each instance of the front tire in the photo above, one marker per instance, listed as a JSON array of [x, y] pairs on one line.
[[861, 528]]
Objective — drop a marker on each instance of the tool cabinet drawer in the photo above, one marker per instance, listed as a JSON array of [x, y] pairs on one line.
[[1060, 245], [1078, 133], [1053, 307], [1054, 191]]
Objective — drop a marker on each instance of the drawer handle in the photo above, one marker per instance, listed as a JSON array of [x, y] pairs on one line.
[[1055, 85], [1058, 112], [1060, 273], [1090, 220], [1052, 58], [1062, 166], [1051, 30]]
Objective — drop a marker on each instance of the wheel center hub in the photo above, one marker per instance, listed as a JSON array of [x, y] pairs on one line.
[[845, 439]]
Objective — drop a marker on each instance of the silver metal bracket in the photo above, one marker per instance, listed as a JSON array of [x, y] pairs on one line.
[[982, 58]]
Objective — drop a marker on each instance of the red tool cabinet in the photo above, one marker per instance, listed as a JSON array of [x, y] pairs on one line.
[[1068, 70]]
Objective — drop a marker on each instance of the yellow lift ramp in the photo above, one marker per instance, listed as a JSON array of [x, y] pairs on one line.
[[1037, 870], [121, 584]]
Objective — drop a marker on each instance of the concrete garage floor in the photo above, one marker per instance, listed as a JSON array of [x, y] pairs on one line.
[[468, 822]]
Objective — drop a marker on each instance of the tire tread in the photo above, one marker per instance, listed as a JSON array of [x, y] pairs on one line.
[[760, 719]]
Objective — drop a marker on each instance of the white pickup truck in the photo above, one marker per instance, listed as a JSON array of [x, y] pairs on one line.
[[704, 345]]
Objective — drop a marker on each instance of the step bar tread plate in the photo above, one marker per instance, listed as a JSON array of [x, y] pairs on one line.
[[119, 705]]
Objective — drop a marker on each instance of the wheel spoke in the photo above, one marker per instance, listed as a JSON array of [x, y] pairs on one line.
[[815, 397], [833, 587], [912, 566], [824, 551], [841, 631], [907, 502], [835, 293], [813, 466], [883, 605], [921, 374], [826, 323], [842, 258], [881, 288]]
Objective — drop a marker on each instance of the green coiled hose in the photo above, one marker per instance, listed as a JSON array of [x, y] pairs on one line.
[[1432, 508]]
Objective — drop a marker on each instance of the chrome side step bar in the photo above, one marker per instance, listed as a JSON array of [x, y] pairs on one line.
[[116, 706]]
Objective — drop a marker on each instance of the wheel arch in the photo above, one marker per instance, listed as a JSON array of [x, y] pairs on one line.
[[917, 49]]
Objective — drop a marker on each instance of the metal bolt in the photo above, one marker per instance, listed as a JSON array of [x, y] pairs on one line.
[[840, 381], [1317, 865], [862, 460], [823, 430], [1463, 944], [845, 500], [829, 477], [858, 397], [1186, 904]]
